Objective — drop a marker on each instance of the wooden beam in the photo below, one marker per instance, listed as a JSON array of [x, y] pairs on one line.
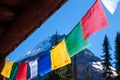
[[15, 3], [33, 16], [6, 15]]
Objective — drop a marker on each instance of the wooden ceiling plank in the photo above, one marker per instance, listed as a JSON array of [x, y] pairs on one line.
[[6, 14], [15, 3]]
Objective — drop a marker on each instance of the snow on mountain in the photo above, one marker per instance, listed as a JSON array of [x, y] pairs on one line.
[[98, 67], [41, 47]]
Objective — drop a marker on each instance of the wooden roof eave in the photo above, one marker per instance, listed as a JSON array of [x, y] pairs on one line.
[[32, 18]]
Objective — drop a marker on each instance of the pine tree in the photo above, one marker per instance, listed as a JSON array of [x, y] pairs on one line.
[[117, 55], [56, 38], [107, 72]]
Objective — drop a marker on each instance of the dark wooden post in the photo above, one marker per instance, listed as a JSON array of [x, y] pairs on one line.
[[2, 61]]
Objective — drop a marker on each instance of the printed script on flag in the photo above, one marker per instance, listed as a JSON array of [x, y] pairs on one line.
[[22, 71], [94, 20], [33, 68], [59, 56], [7, 69], [44, 63], [75, 41]]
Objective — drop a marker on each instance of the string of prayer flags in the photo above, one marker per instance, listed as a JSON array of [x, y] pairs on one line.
[[59, 56], [6, 71], [14, 70], [22, 71], [33, 68], [111, 5], [75, 41], [94, 20], [44, 63]]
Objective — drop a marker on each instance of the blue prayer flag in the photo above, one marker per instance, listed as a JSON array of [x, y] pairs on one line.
[[44, 64]]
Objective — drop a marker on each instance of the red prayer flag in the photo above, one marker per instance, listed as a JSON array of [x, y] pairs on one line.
[[22, 71], [94, 20]]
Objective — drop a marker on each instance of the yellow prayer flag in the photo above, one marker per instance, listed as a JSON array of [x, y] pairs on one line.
[[7, 69], [59, 56]]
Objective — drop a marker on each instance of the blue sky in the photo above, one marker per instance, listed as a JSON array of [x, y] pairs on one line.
[[64, 20]]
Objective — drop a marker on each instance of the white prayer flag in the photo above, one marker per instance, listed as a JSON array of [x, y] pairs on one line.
[[111, 5], [33, 68]]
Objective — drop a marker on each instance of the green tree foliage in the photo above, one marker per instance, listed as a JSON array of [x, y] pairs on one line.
[[117, 55], [107, 72], [52, 76], [64, 73], [56, 38]]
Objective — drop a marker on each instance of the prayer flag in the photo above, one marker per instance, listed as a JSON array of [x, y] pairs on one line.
[[14, 70], [44, 63], [94, 20], [7, 69], [75, 41], [59, 56], [111, 5], [33, 68], [22, 71]]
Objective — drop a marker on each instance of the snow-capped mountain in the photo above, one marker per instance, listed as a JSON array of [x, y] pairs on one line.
[[83, 60], [86, 59], [41, 48]]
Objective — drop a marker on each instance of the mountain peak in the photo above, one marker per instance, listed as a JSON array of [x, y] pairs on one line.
[[41, 48]]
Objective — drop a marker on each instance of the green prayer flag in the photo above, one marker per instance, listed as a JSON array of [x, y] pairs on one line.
[[75, 41], [14, 71]]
